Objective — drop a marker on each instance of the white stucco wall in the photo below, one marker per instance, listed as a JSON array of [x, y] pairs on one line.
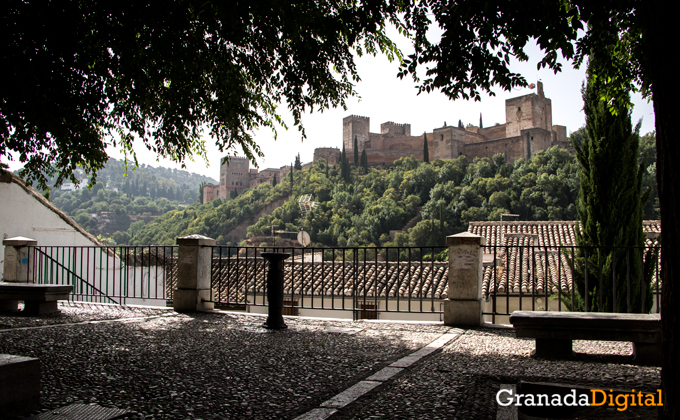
[[23, 214]]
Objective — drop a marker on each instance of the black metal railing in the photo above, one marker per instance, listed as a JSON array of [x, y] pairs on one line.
[[367, 280], [119, 275], [557, 278]]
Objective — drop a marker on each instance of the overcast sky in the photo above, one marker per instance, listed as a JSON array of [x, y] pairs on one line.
[[383, 97]]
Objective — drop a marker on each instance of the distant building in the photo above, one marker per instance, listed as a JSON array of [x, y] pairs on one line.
[[528, 129], [236, 175], [70, 186]]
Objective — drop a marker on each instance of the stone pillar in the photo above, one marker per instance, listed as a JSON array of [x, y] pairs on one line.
[[193, 274], [464, 303], [17, 268]]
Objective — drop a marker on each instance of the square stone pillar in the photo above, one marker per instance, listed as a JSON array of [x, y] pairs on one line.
[[464, 304], [17, 268], [193, 274]]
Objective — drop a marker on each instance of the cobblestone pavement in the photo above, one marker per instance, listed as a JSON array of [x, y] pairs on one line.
[[462, 380], [164, 365]]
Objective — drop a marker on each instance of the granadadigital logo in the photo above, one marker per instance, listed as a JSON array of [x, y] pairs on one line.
[[597, 398]]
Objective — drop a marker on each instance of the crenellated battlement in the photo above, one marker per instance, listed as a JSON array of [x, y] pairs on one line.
[[392, 123], [358, 117], [391, 128]]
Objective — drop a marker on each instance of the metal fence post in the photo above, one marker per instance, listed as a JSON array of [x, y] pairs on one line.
[[464, 305], [193, 291]]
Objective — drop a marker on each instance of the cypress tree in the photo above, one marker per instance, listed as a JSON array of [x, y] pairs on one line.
[[480, 120], [460, 125], [426, 152], [364, 161], [274, 181], [291, 179], [610, 206], [298, 163], [356, 152], [343, 164]]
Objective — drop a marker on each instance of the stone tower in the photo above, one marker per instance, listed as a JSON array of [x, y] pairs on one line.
[[355, 125], [234, 175], [528, 111]]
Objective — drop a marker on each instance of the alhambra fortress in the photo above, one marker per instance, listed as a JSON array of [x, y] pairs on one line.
[[528, 129]]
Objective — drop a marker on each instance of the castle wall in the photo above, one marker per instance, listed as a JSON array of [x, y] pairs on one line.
[[468, 136], [388, 157], [560, 136], [330, 154], [264, 176], [493, 133], [387, 150], [209, 192], [511, 147], [535, 139]]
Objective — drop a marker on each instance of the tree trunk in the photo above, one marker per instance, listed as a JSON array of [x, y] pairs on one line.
[[663, 65]]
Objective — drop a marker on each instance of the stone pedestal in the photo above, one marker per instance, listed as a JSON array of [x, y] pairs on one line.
[[193, 274], [16, 267], [275, 289], [464, 304]]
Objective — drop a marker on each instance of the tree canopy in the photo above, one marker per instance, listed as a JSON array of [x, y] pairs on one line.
[[162, 71], [480, 38]]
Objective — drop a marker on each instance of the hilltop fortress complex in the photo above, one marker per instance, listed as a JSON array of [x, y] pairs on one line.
[[528, 129]]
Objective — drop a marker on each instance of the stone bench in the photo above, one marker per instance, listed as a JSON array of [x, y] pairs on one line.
[[38, 298], [19, 385], [554, 332]]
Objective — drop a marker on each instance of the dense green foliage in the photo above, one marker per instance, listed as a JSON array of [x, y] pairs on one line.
[[214, 219], [120, 197], [162, 72], [105, 212], [363, 209], [610, 206], [358, 209]]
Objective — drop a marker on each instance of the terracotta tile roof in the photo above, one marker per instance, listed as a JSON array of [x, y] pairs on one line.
[[522, 247], [327, 279], [514, 262]]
